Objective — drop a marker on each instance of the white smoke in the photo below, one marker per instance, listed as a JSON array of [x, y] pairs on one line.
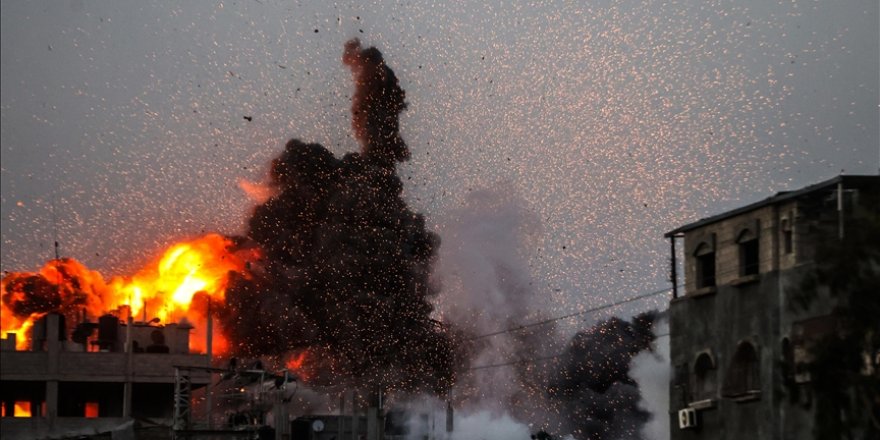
[[487, 286], [486, 283], [480, 425], [652, 371]]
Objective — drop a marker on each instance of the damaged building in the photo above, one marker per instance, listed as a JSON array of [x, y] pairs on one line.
[[755, 304], [84, 381]]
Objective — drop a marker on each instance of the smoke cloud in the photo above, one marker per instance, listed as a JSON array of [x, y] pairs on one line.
[[652, 370], [592, 381], [346, 262], [535, 378]]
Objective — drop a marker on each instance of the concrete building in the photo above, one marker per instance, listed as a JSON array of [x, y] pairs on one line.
[[738, 343], [98, 378]]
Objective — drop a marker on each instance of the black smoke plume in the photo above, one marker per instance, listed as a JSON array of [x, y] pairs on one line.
[[346, 262], [591, 386]]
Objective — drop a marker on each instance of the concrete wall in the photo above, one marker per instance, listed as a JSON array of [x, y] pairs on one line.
[[717, 323], [98, 367], [727, 258]]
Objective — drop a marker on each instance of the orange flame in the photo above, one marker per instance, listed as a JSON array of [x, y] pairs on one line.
[[22, 409], [296, 364], [179, 284]]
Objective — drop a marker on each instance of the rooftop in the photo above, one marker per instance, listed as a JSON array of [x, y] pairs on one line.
[[855, 180]]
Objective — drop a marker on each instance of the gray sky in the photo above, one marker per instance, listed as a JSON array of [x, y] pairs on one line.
[[610, 122]]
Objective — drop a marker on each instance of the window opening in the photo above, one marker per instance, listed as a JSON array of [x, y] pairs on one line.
[[705, 259], [743, 377], [704, 377]]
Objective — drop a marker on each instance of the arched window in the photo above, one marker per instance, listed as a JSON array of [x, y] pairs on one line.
[[744, 375], [704, 377]]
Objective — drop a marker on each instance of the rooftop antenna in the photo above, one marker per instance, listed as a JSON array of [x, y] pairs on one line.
[[55, 229]]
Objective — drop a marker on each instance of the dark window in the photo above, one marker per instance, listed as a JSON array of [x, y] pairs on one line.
[[81, 399], [743, 376], [787, 237], [705, 259], [749, 257], [787, 360], [22, 398], [704, 378]]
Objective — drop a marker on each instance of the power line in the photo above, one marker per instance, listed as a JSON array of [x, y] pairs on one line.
[[594, 309], [534, 360], [571, 315]]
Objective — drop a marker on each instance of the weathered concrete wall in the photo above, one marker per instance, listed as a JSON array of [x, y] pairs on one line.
[[717, 323], [98, 367], [727, 259]]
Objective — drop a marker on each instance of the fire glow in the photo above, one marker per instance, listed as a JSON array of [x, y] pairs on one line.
[[178, 284]]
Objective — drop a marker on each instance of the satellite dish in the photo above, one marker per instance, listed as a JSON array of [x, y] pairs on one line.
[[318, 426]]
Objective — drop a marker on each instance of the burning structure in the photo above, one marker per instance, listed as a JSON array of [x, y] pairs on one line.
[[776, 334], [331, 280], [95, 378]]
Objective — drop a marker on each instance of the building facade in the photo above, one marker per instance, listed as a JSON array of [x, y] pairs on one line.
[[740, 333], [98, 378]]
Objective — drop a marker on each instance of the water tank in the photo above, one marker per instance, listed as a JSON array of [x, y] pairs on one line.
[[108, 332]]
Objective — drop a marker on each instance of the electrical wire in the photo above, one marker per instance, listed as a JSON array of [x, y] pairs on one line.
[[533, 360], [571, 315]]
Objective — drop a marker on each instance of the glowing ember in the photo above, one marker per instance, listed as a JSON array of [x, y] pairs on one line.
[[92, 410], [179, 284]]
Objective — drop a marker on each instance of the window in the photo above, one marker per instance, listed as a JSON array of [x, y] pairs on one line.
[[787, 237], [787, 360], [704, 378], [749, 253], [743, 376], [705, 259]]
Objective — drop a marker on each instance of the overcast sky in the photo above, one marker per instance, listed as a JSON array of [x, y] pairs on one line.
[[609, 122]]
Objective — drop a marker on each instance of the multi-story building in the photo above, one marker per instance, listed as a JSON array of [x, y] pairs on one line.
[[99, 378], [740, 332]]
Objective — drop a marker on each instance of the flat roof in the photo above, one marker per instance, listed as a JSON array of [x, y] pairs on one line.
[[778, 198]]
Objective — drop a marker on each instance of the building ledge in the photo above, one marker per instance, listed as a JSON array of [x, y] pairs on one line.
[[704, 291], [748, 396], [746, 279], [703, 404]]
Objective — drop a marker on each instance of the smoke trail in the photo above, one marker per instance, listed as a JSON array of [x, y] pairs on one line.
[[346, 262]]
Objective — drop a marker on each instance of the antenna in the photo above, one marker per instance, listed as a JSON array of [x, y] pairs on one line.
[[55, 229]]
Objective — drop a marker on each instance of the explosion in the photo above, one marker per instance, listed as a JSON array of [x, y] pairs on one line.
[[331, 280], [331, 275], [176, 285], [346, 264]]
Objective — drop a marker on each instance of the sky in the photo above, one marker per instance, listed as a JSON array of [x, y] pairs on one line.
[[605, 123]]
